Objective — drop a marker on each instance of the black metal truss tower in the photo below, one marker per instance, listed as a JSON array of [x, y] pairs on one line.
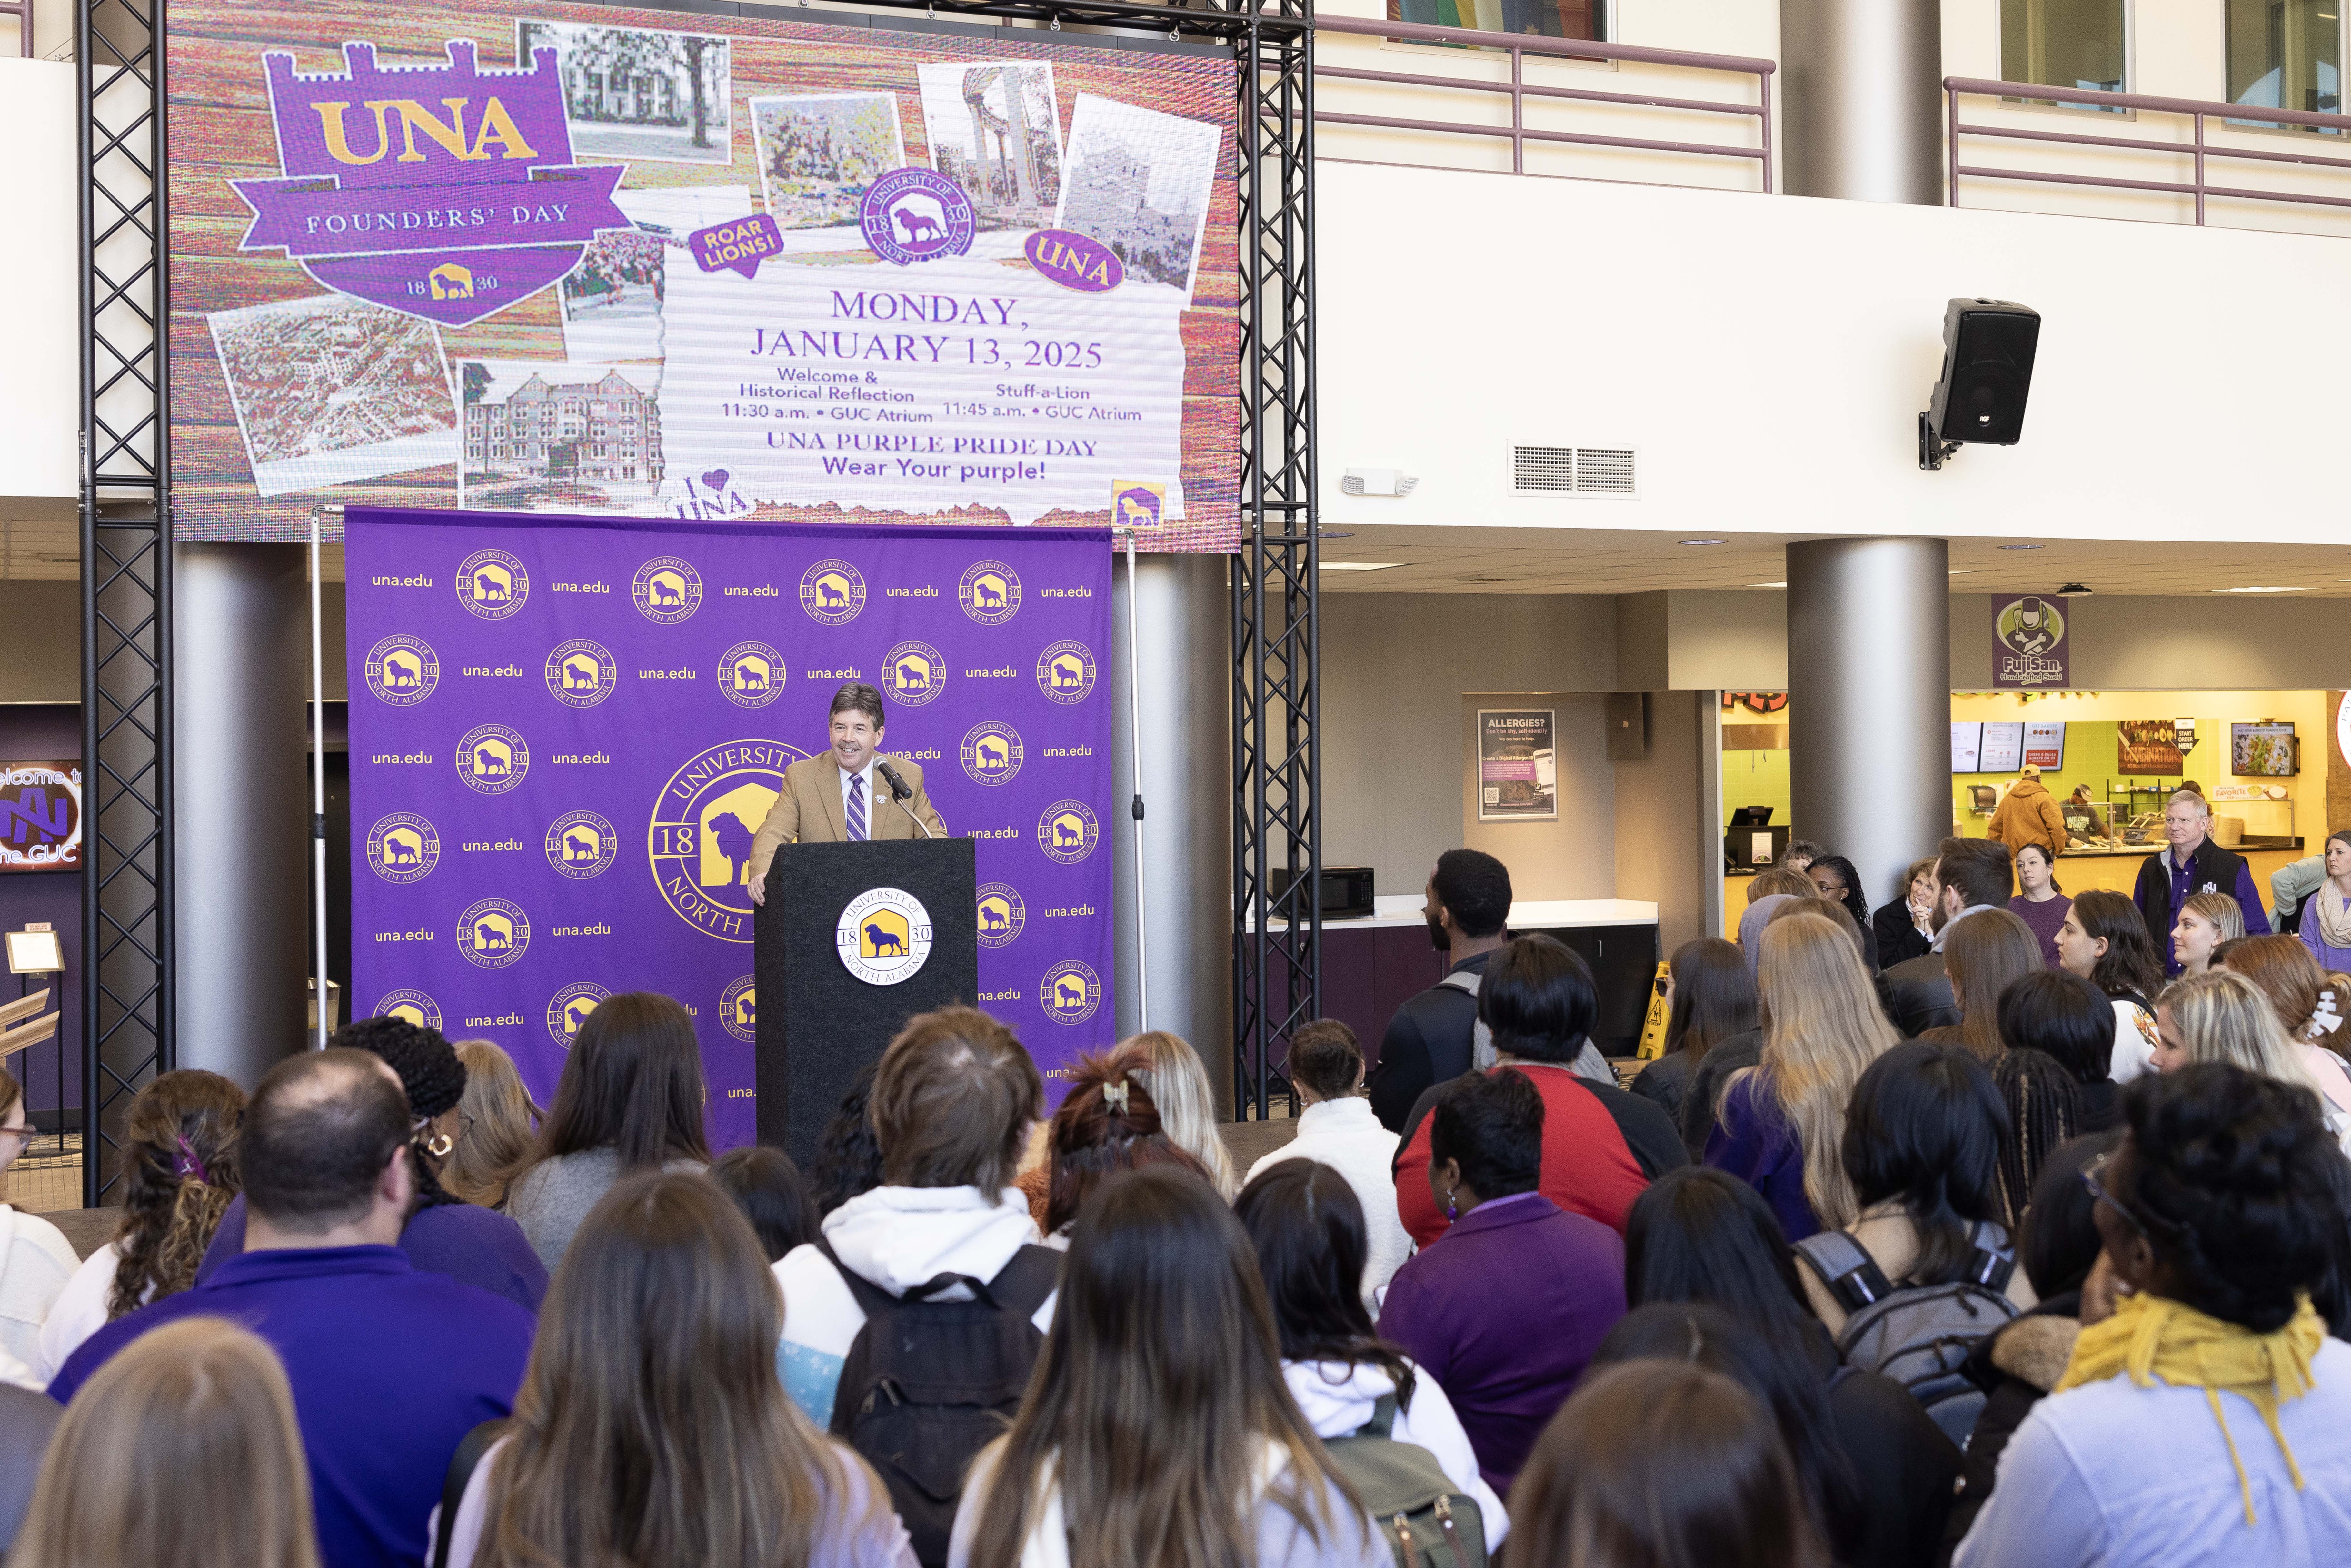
[[126, 576], [127, 880]]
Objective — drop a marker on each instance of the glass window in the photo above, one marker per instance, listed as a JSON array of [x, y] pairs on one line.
[[1550, 18], [2286, 54], [2064, 43]]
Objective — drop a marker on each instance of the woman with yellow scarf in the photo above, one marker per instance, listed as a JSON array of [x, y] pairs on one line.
[[2205, 1418]]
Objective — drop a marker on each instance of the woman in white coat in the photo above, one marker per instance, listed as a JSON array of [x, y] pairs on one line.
[[1308, 1228]]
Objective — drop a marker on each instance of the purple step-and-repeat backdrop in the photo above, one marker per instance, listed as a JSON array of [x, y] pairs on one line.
[[564, 732]]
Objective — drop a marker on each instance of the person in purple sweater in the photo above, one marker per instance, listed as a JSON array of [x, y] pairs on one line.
[[2041, 906], [1505, 1309], [444, 1235], [2326, 925]]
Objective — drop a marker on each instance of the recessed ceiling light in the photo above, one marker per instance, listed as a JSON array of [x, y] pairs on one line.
[[2024, 547], [1963, 571], [2082, 587], [1359, 565], [2257, 590], [1706, 541], [1766, 585]]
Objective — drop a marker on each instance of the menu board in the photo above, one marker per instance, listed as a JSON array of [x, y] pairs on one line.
[[2003, 747], [1967, 748], [2149, 746], [2044, 743], [2263, 750]]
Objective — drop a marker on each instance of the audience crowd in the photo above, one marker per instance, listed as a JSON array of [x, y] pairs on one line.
[[1947, 1232]]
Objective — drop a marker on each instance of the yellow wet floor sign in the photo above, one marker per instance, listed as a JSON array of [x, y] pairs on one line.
[[1653, 1027]]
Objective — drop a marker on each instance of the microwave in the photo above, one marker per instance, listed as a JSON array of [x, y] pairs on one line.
[[1347, 890]]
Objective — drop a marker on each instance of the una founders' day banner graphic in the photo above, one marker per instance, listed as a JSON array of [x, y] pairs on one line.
[[565, 731], [590, 259]]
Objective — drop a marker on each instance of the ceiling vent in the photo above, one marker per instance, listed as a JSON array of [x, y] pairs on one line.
[[1573, 470]]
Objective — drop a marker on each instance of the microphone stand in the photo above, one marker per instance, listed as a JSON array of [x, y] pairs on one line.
[[901, 794]]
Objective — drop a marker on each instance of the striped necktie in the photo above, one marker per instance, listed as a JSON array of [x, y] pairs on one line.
[[857, 808]]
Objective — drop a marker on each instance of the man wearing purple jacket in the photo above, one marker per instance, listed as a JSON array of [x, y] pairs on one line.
[[1505, 1309], [2193, 864]]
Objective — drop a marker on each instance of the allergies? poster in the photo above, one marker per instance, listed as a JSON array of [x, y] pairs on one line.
[[1518, 772]]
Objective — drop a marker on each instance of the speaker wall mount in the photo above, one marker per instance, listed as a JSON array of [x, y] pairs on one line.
[[1987, 351]]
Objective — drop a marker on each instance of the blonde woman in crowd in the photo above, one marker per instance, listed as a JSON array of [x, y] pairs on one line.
[[1178, 1085], [2206, 920], [1781, 1128], [179, 1172], [2221, 1016], [491, 1128], [181, 1452], [2309, 1002]]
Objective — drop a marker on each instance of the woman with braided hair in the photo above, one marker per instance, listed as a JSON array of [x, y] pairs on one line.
[[446, 1235], [179, 1175]]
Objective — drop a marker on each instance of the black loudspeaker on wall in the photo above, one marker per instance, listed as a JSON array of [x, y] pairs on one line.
[[1628, 726], [1988, 348]]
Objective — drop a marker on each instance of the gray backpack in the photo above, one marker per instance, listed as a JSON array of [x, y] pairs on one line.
[[1920, 1335], [1428, 1523], [1588, 1063]]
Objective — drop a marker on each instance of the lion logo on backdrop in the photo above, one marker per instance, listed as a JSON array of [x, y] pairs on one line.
[[832, 592], [884, 935], [1066, 832], [1002, 914], [492, 758], [991, 753], [412, 1006], [1065, 673], [738, 1010], [1070, 992], [582, 672], [582, 844], [492, 584], [751, 674], [493, 932], [667, 590], [915, 673], [402, 846], [989, 592], [569, 1007], [1136, 505], [699, 840], [402, 669]]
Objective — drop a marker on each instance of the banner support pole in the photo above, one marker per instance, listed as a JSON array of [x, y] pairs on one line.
[[318, 795], [1135, 809]]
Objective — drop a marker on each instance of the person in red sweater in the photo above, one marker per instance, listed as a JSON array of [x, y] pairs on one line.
[[1601, 1146]]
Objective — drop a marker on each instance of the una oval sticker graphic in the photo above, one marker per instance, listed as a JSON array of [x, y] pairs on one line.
[[1074, 261]]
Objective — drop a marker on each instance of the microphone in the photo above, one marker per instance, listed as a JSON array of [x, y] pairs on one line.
[[901, 791]]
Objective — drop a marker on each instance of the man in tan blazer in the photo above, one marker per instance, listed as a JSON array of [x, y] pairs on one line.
[[841, 796]]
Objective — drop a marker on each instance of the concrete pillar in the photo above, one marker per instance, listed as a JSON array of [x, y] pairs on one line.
[[1186, 681], [1861, 100], [1869, 700], [241, 641]]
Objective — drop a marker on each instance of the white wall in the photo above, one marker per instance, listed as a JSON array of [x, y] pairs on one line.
[[41, 372], [1767, 357]]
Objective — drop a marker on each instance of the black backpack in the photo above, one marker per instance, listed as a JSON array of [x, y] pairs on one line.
[[1920, 1335], [1428, 1524], [928, 1384]]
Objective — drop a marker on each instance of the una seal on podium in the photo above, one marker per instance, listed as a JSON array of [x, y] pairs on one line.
[[884, 935]]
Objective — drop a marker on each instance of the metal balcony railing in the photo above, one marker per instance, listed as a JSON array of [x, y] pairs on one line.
[[2199, 149], [1517, 132]]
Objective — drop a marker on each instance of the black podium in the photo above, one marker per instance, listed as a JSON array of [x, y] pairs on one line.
[[854, 940]]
